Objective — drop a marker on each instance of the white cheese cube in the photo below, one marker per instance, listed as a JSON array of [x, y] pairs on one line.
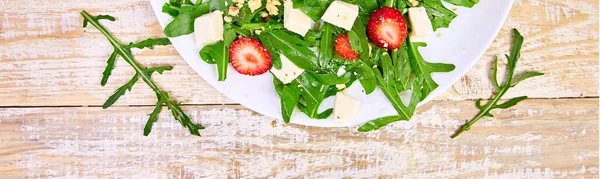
[[420, 24], [295, 20], [289, 71], [345, 108], [209, 28], [341, 14]]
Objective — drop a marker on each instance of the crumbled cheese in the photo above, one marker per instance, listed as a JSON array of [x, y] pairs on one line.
[[227, 19], [234, 11], [272, 7], [340, 86], [257, 32], [254, 4]]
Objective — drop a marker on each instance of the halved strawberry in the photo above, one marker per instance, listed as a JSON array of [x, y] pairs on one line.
[[343, 48], [249, 57], [387, 28]]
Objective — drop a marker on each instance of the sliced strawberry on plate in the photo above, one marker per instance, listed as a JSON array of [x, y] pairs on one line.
[[387, 28], [249, 57], [343, 48]]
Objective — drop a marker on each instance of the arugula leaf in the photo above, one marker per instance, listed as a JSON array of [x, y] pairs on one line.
[[275, 52], [150, 43], [289, 96], [379, 123], [120, 92], [331, 79], [326, 44], [144, 73], [358, 39], [313, 93], [110, 65], [439, 15], [153, 117], [292, 47], [366, 77], [312, 8], [485, 111], [183, 24], [465, 3], [218, 53], [402, 68], [423, 68]]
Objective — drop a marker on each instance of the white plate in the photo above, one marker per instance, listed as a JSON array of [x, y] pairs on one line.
[[469, 35]]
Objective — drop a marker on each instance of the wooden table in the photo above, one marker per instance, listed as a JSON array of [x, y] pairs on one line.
[[51, 124]]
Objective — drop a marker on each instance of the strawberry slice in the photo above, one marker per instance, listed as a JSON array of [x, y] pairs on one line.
[[387, 28], [249, 57], [343, 48]]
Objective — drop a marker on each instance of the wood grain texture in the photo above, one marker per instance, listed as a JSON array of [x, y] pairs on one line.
[[50, 70], [542, 138], [47, 59]]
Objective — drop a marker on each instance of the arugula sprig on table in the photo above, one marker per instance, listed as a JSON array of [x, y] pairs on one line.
[[510, 81], [141, 72]]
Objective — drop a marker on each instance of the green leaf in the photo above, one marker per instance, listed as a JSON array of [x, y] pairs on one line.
[[358, 39], [354, 41], [503, 89], [141, 72], [511, 102], [526, 76], [294, 48], [465, 3], [402, 68], [158, 70], [150, 43], [171, 10], [478, 104], [289, 96], [326, 44], [379, 123], [495, 74], [183, 24], [425, 69], [153, 117], [312, 92], [210, 53], [325, 114], [120, 92], [275, 52], [331, 79], [313, 8], [98, 17], [110, 65], [366, 77], [439, 15]]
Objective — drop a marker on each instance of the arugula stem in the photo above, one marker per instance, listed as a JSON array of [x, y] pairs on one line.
[[125, 53], [487, 109]]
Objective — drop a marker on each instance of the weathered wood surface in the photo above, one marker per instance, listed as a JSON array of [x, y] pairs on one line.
[[50, 70], [541, 138], [47, 59]]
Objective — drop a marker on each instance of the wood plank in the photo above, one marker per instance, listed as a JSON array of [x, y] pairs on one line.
[[541, 138], [46, 59]]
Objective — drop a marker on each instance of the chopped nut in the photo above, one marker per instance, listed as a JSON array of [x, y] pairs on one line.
[[234, 11], [254, 4], [227, 19]]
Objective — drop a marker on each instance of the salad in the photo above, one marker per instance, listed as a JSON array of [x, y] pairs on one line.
[[315, 49]]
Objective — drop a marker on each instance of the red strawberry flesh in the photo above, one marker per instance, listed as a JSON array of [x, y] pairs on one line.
[[343, 48], [249, 57], [387, 28]]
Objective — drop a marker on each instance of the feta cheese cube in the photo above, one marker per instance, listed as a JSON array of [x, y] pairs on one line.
[[341, 14], [295, 20], [289, 71], [208, 28], [420, 24], [345, 108]]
